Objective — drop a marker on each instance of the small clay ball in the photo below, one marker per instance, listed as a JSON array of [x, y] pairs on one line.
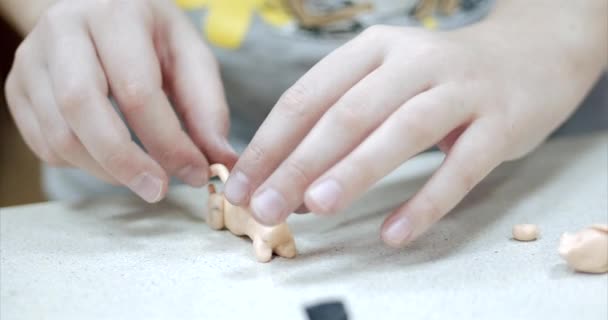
[[525, 232]]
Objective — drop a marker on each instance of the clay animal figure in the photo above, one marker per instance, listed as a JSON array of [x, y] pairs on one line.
[[587, 249], [266, 240]]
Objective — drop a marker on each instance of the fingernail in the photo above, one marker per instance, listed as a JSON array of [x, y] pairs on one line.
[[269, 207], [192, 175], [398, 232], [326, 194], [147, 186], [237, 188]]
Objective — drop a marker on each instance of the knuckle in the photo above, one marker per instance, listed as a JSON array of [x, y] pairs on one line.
[[367, 173], [118, 8], [22, 53], [431, 212], [505, 131], [65, 142], [135, 95], [255, 154], [292, 102], [296, 171], [352, 115], [359, 174], [466, 172], [466, 178], [416, 128], [426, 52], [55, 16], [117, 159], [174, 156], [71, 95]]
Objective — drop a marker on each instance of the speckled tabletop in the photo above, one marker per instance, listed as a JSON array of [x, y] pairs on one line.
[[117, 258]]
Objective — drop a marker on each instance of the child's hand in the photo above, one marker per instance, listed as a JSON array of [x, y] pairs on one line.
[[392, 93], [142, 52]]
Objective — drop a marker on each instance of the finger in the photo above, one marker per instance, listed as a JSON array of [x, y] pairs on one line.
[[195, 83], [25, 119], [297, 111], [58, 135], [475, 154], [139, 91], [361, 110], [80, 89], [418, 124]]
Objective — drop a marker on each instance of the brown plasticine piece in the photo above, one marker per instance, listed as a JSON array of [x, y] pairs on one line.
[[266, 240], [426, 8], [309, 20], [587, 249]]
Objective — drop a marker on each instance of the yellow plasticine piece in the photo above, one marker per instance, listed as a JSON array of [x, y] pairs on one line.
[[429, 23], [191, 4], [227, 22]]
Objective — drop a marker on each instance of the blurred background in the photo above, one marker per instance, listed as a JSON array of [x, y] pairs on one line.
[[19, 168]]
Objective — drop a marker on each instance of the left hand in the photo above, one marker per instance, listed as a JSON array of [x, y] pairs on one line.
[[388, 95]]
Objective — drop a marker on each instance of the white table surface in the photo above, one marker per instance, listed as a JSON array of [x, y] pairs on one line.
[[118, 258]]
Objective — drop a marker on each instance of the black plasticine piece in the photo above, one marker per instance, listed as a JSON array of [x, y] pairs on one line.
[[331, 310]]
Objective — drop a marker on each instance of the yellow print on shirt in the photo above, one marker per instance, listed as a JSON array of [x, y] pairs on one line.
[[228, 21]]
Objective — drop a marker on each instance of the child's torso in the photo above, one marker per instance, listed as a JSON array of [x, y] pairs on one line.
[[264, 46]]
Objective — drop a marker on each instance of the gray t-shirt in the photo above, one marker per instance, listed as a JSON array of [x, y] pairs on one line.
[[264, 46], [263, 57]]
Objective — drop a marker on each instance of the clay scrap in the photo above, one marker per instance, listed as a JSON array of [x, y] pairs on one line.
[[525, 232], [587, 249]]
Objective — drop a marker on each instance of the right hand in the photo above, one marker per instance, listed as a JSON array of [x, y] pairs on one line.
[[143, 52]]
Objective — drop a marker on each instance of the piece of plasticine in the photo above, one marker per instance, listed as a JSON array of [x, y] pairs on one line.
[[330, 310], [587, 249], [266, 240], [525, 232]]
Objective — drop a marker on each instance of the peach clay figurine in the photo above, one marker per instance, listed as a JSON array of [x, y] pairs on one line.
[[238, 220]]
